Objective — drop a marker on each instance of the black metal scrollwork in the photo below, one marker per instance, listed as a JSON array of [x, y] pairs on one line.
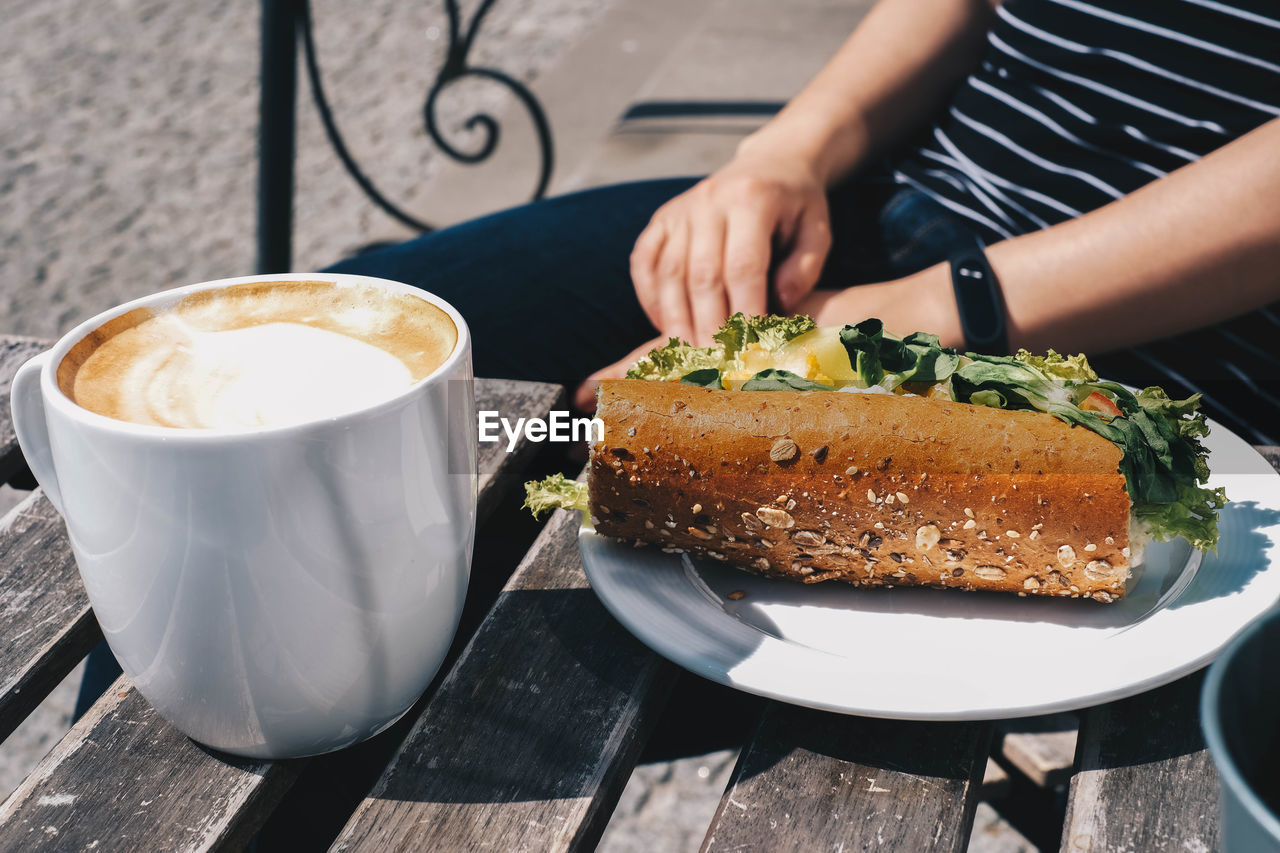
[[455, 67]]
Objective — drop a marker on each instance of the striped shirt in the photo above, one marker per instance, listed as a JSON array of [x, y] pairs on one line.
[[1079, 102]]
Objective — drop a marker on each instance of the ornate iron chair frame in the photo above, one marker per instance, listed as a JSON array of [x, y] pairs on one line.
[[284, 24]]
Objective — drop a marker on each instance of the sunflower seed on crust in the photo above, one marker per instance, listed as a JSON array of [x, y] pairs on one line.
[[775, 517], [1098, 570], [808, 538], [783, 450]]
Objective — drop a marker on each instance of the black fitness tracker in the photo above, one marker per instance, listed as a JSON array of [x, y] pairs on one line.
[[979, 302]]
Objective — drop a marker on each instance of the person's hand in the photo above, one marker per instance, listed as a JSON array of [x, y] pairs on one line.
[[584, 398], [707, 252]]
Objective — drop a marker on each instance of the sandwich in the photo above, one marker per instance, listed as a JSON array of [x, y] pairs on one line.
[[851, 454]]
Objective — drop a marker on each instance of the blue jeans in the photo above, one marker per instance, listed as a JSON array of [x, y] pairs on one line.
[[546, 288]]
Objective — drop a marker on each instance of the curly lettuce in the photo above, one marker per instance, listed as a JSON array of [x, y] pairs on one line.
[[1071, 368], [555, 492], [673, 361], [771, 332], [679, 361]]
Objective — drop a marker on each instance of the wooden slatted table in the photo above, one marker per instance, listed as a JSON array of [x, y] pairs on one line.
[[533, 729]]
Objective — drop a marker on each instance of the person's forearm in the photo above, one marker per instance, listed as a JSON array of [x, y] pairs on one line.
[[893, 73], [1188, 250], [1191, 249]]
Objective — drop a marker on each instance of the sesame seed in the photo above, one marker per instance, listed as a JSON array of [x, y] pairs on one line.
[[968, 512], [871, 495], [903, 497], [1013, 534], [697, 508], [970, 524], [1091, 547]]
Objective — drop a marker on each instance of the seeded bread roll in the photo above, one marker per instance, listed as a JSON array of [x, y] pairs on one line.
[[870, 489]]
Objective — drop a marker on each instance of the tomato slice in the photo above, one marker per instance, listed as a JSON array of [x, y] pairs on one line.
[[1102, 404]]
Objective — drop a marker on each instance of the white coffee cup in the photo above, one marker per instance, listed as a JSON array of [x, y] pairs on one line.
[[273, 592]]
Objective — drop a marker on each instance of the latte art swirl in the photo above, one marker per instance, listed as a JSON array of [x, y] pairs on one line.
[[285, 354], [269, 375]]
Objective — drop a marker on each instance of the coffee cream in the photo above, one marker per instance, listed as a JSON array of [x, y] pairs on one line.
[[259, 354]]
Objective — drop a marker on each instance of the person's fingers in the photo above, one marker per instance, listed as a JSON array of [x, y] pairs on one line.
[[584, 398], [704, 274], [746, 258], [644, 262], [673, 295], [810, 242]]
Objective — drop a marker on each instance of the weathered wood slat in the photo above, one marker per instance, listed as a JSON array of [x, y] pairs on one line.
[[1145, 780], [1042, 748], [146, 785], [124, 779], [13, 352], [46, 626], [811, 780], [500, 470], [529, 741]]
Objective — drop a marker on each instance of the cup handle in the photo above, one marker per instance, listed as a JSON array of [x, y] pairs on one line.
[[27, 403]]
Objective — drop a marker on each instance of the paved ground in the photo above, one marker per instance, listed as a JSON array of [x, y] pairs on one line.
[[127, 137]]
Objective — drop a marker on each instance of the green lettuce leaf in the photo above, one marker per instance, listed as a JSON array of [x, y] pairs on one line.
[[708, 377], [934, 362], [782, 380], [1193, 515], [873, 354], [1021, 385], [675, 360], [994, 399], [771, 332], [555, 492], [885, 360]]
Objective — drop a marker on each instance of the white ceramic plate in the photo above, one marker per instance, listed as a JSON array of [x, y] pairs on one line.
[[944, 655]]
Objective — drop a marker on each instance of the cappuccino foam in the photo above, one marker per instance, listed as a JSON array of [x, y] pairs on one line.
[[258, 355]]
